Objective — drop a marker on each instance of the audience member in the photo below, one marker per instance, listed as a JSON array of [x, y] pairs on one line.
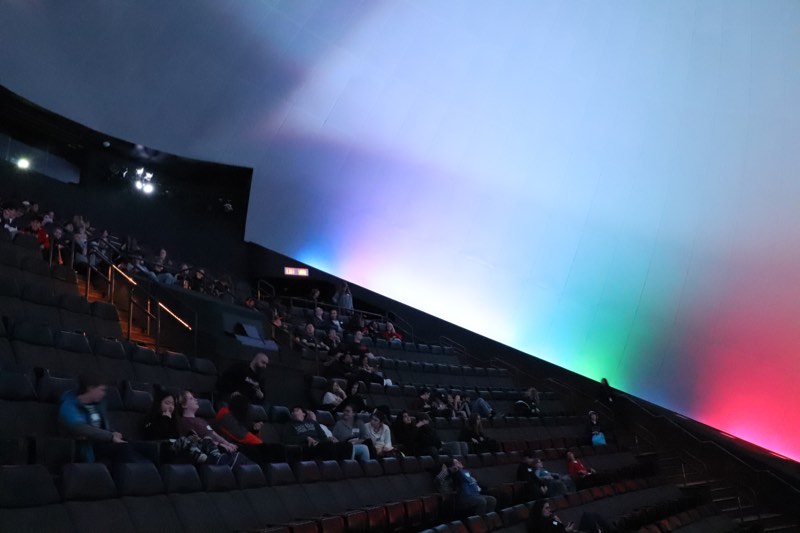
[[82, 415], [332, 341], [339, 366], [318, 319], [528, 405], [422, 404], [556, 483], [350, 429], [343, 299], [391, 334], [543, 520], [480, 406], [469, 500], [535, 488], [582, 475], [161, 423], [307, 434], [189, 424], [473, 435], [245, 378], [368, 374], [379, 433], [459, 406], [9, 218], [234, 422], [307, 339], [404, 434], [41, 235], [429, 442], [595, 430], [334, 397], [334, 322]]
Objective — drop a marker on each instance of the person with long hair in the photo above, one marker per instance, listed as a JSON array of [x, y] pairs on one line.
[[161, 423]]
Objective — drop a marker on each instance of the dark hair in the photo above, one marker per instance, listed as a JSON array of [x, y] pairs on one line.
[[89, 380], [298, 406], [538, 506], [423, 417]]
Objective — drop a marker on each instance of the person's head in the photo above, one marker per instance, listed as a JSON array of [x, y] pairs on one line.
[[70, 227], [332, 334], [162, 254], [348, 413], [352, 387], [188, 402], [259, 362], [334, 314], [314, 293], [91, 387], [365, 364], [529, 457], [475, 421], [538, 463], [570, 456], [58, 233], [452, 464], [298, 413], [358, 336], [309, 329], [593, 417], [318, 312], [200, 273], [36, 223], [424, 393], [164, 405], [377, 420], [389, 327], [542, 509], [347, 358], [250, 302], [405, 417], [423, 418]]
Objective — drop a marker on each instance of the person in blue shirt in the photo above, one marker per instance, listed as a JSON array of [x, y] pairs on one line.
[[469, 500], [82, 414]]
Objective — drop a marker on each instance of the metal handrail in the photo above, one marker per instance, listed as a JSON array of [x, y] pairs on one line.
[[134, 286], [261, 286]]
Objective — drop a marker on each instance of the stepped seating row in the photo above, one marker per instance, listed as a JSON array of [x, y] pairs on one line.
[[21, 259], [613, 502], [69, 312], [398, 397], [68, 354], [330, 496], [401, 371]]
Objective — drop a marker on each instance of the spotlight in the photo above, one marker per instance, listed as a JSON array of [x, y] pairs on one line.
[[139, 171], [23, 163], [147, 188], [138, 184]]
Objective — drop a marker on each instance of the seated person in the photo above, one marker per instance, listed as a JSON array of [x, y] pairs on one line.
[[557, 484], [595, 430], [380, 434], [350, 429], [189, 424], [535, 488], [334, 323], [334, 397], [439, 407], [582, 475], [459, 406], [543, 520], [161, 423], [480, 406], [82, 414], [473, 435], [332, 341], [391, 334], [528, 405], [367, 373], [422, 404], [234, 423], [319, 319], [404, 433], [428, 441], [307, 339], [469, 500], [354, 397], [357, 346], [245, 378], [339, 366], [307, 434]]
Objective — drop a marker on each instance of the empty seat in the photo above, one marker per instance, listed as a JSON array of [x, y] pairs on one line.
[[178, 370], [39, 305], [91, 499], [106, 320], [220, 484], [75, 353], [75, 314], [195, 509], [30, 501], [142, 493], [204, 374], [34, 348], [147, 367]]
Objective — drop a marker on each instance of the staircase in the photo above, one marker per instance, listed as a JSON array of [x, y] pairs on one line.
[[138, 332]]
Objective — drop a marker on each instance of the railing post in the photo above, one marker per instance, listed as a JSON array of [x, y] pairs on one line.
[[196, 354], [158, 325], [130, 312], [110, 284], [149, 314], [88, 278]]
